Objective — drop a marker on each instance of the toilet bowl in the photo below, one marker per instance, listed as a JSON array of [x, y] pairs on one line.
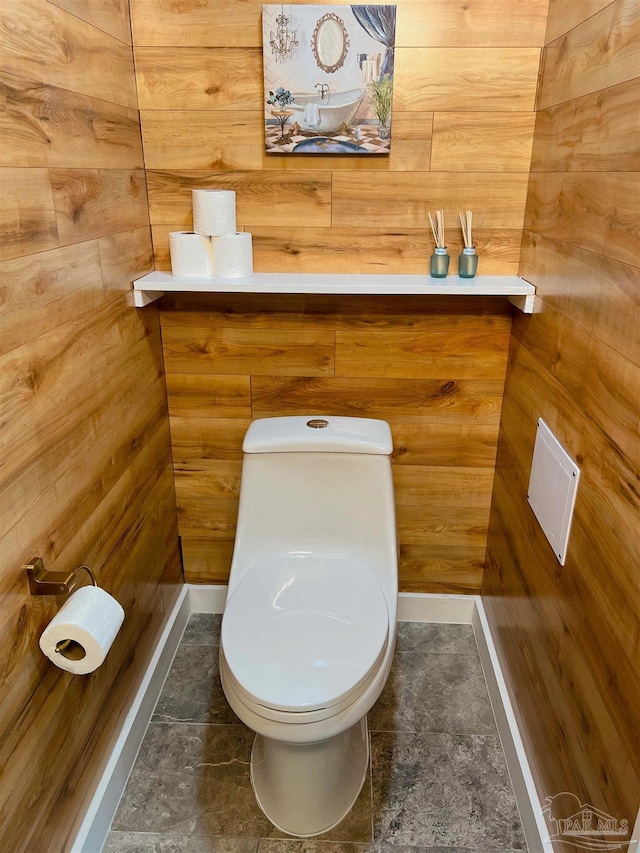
[[308, 631]]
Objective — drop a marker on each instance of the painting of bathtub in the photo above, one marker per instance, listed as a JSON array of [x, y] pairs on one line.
[[328, 73]]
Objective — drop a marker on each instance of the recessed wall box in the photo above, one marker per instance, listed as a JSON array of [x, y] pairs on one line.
[[552, 489]]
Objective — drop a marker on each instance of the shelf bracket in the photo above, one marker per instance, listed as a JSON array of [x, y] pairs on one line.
[[146, 297], [524, 302]]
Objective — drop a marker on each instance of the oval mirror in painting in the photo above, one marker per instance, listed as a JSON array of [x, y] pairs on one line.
[[330, 43]]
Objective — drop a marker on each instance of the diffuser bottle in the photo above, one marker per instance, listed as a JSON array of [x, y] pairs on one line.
[[439, 262], [468, 262]]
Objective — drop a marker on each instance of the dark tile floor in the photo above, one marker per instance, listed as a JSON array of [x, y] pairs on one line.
[[438, 781]]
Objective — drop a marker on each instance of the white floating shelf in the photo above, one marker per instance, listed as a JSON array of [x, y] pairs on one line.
[[154, 285]]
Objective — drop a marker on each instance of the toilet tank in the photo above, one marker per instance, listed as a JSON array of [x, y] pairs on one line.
[[311, 488], [318, 434]]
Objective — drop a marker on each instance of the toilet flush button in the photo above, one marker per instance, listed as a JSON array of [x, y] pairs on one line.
[[317, 423]]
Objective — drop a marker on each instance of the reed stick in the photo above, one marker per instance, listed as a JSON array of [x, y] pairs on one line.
[[466, 221], [437, 228]]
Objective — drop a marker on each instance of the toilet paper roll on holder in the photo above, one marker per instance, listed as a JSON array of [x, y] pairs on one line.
[[42, 582]]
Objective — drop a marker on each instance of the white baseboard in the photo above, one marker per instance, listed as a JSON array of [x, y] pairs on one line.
[[412, 607], [533, 824], [427, 607], [97, 820]]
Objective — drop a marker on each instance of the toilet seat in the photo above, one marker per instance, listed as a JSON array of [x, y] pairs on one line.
[[304, 634]]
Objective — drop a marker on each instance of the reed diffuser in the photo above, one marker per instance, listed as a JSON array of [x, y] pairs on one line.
[[468, 260], [440, 258]]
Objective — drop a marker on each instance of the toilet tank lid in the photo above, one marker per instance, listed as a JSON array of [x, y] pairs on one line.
[[318, 433]]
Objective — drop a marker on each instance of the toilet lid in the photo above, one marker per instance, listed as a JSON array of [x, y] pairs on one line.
[[301, 633]]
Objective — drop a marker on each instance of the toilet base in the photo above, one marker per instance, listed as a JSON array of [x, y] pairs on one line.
[[307, 789]]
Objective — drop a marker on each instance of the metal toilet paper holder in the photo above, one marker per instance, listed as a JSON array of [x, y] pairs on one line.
[[42, 582]]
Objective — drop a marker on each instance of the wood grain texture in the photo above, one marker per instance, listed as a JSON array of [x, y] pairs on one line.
[[564, 15], [124, 257], [423, 400], [602, 51], [234, 139], [570, 638], [172, 78], [111, 16], [326, 311], [207, 395], [472, 353], [360, 250], [27, 216], [402, 199], [599, 294], [47, 126], [49, 45], [394, 357], [41, 291], [597, 132], [590, 210], [450, 78], [206, 560], [482, 142], [88, 477], [229, 351], [95, 202], [263, 198], [237, 23]]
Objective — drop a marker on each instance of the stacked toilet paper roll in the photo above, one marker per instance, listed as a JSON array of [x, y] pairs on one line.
[[233, 255], [191, 254], [214, 248], [214, 212]]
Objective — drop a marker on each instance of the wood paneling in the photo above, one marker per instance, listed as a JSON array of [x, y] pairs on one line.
[[44, 125], [426, 400], [361, 250], [564, 15], [263, 198], [602, 51], [465, 86], [208, 395], [569, 636], [237, 23], [86, 470], [436, 375], [467, 79], [92, 203], [402, 199], [465, 353], [597, 132], [27, 218], [42, 291], [482, 142], [229, 351], [233, 139], [171, 78], [48, 45], [597, 211], [599, 294], [111, 16]]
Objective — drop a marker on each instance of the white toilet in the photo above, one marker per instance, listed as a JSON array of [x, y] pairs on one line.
[[309, 626]]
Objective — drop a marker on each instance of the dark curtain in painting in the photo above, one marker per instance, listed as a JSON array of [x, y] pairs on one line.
[[380, 23]]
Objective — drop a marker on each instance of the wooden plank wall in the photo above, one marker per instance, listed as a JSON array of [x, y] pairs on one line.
[[462, 134], [570, 636], [434, 370], [85, 461]]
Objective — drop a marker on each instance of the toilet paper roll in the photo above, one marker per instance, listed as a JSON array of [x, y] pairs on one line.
[[90, 620], [190, 254], [214, 212], [233, 256]]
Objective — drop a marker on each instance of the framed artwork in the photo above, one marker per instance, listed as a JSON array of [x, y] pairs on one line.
[[328, 77]]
